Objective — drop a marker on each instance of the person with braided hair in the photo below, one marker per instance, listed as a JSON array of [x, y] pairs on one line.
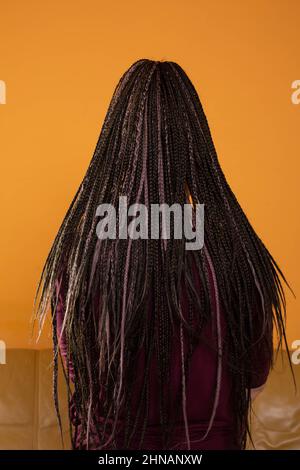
[[161, 347]]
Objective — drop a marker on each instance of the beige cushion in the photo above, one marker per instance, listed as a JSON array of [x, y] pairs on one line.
[[28, 419], [276, 412]]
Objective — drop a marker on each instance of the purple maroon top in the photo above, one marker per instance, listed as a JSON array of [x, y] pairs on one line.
[[199, 390]]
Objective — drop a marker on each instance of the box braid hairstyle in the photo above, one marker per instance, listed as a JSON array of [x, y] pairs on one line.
[[155, 146]]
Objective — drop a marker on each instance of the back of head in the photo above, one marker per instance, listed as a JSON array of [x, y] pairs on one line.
[[155, 147]]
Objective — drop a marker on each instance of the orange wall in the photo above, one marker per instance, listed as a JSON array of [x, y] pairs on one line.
[[61, 60]]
